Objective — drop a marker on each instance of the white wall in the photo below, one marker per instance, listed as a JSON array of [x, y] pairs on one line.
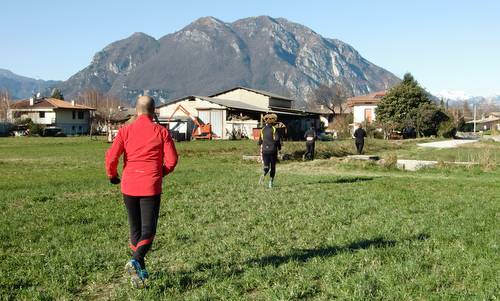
[[50, 117], [359, 112], [70, 126], [245, 127], [190, 106], [246, 96]]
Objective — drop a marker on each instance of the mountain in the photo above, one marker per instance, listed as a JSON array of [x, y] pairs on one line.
[[110, 67], [460, 96], [23, 87], [209, 55]]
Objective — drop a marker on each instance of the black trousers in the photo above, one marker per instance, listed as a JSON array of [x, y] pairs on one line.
[[359, 146], [142, 218], [269, 162], [309, 151]]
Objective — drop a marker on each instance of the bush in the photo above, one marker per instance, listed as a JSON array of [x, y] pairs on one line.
[[389, 161], [370, 129], [447, 129], [378, 134], [35, 129], [341, 125]]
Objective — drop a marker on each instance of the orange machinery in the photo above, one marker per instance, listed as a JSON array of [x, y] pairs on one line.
[[201, 131]]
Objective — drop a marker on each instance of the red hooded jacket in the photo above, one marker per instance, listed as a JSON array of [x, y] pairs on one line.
[[148, 155]]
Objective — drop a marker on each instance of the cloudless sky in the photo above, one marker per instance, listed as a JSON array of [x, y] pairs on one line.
[[445, 44]]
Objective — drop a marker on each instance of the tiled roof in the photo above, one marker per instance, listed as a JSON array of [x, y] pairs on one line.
[[48, 103], [372, 98]]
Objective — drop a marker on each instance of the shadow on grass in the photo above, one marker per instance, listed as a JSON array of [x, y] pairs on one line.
[[185, 280], [339, 180], [304, 255]]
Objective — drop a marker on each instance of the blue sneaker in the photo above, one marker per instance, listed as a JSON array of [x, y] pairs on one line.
[[144, 275], [137, 275]]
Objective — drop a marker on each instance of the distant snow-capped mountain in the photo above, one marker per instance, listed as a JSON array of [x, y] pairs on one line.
[[460, 96]]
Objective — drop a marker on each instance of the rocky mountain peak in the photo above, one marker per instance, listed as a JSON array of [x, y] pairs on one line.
[[209, 55]]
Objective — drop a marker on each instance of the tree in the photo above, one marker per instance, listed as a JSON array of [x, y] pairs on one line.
[[428, 119], [4, 105], [104, 104], [401, 106], [466, 111], [57, 94], [334, 97]]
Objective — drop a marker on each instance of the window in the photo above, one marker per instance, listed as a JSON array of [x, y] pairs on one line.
[[74, 114], [368, 115], [41, 114], [80, 114], [73, 128]]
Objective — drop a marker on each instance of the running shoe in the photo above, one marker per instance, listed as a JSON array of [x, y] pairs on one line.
[[261, 179], [133, 268]]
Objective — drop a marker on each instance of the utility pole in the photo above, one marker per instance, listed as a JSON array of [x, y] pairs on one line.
[[474, 117]]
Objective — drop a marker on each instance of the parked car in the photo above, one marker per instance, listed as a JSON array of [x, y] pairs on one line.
[[53, 131]]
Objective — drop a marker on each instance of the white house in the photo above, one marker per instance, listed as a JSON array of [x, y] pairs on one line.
[[237, 110], [363, 106], [72, 118]]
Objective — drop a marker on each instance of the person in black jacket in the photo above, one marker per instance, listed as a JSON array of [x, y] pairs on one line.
[[310, 137], [270, 144], [359, 135]]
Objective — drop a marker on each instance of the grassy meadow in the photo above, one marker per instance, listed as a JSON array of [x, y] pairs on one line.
[[329, 229]]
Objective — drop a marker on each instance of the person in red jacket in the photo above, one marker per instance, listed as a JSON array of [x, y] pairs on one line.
[[148, 155]]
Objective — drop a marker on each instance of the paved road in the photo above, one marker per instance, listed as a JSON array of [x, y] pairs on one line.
[[446, 143]]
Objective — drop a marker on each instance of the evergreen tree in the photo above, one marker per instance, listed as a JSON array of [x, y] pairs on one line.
[[402, 104], [57, 94]]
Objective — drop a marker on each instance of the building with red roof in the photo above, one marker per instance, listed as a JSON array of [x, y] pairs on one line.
[[72, 118]]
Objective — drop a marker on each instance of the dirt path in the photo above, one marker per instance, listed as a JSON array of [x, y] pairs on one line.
[[446, 143]]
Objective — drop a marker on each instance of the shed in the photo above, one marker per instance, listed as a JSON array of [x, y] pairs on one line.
[[237, 112]]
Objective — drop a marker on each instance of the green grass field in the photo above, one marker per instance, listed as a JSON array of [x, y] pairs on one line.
[[328, 230]]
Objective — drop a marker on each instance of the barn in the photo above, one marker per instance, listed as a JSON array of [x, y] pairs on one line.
[[235, 113]]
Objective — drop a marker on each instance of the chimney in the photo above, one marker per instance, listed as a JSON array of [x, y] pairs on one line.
[[32, 101]]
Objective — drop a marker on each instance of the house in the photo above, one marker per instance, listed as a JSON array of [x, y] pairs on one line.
[[492, 122], [327, 116], [236, 112], [72, 118], [363, 106]]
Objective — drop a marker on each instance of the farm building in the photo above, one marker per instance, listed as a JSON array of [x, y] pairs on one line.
[[72, 118], [234, 113], [363, 106]]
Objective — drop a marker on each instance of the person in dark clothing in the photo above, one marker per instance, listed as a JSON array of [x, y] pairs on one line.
[[359, 136], [270, 144], [310, 137]]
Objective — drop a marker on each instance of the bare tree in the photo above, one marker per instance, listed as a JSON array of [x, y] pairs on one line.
[[106, 105], [333, 97], [4, 105]]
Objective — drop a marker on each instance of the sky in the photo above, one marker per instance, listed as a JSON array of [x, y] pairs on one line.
[[448, 46]]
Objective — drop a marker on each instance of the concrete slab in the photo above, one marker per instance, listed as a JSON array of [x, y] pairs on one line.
[[413, 165], [447, 143]]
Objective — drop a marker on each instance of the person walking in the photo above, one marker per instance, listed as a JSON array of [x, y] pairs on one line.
[[359, 136], [149, 154], [310, 137], [270, 144]]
